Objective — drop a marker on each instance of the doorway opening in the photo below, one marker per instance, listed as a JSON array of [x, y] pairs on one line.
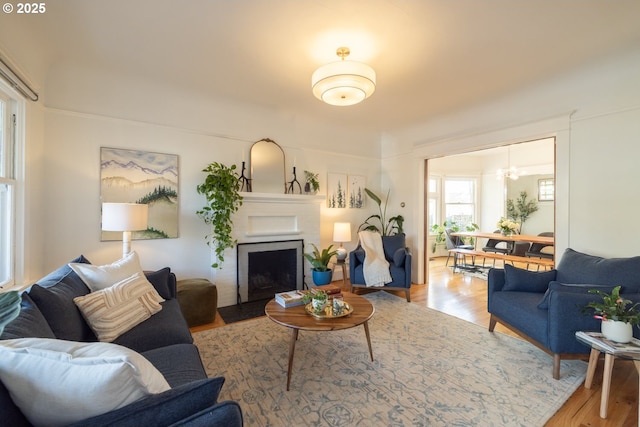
[[474, 189]]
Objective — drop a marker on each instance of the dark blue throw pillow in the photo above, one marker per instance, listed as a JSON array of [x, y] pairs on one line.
[[577, 267], [160, 280], [54, 294], [391, 244], [521, 280], [30, 322], [165, 408], [573, 289]]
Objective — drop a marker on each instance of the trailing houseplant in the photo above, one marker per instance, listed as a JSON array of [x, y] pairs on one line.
[[379, 222], [221, 188], [615, 309], [319, 261]]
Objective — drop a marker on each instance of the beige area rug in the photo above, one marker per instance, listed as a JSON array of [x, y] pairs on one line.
[[430, 369]]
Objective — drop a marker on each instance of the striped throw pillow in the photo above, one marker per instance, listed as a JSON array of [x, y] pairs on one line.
[[118, 308]]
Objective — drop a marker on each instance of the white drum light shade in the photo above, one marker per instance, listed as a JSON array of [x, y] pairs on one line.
[[343, 82], [125, 217], [341, 233]]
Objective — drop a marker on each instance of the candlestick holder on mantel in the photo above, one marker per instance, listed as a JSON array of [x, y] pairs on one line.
[[290, 187], [246, 182]]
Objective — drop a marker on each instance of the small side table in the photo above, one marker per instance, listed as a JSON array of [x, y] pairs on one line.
[[342, 264], [598, 345]]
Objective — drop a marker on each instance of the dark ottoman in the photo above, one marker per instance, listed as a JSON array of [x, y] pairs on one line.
[[198, 299]]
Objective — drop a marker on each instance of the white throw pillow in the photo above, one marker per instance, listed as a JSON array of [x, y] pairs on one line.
[[118, 308], [98, 277], [56, 382]]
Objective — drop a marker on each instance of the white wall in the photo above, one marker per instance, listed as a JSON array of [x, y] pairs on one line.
[[593, 114], [604, 187], [71, 191]]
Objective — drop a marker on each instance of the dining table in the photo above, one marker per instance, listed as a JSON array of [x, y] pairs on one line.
[[506, 238]]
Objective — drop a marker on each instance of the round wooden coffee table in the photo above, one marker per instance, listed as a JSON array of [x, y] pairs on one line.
[[296, 318]]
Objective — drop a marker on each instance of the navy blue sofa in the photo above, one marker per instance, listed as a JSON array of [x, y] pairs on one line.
[[545, 308], [48, 311], [399, 258]]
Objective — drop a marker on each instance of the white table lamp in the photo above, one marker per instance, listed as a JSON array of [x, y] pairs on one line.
[[125, 217], [341, 234]]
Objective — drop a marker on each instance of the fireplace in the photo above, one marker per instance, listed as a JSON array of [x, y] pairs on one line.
[[266, 268]]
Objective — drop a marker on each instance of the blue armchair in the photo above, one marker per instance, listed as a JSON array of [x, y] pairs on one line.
[[545, 308], [399, 258]]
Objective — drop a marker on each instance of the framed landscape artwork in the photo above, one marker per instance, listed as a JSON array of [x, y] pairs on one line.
[[337, 190], [132, 176], [357, 195]]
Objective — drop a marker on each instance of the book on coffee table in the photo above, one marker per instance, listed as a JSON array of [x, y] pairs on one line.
[[329, 289], [290, 298], [600, 342]]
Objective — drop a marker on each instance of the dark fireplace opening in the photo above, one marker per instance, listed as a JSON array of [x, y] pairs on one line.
[[271, 272], [267, 268]]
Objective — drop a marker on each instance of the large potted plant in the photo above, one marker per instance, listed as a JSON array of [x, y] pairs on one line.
[[221, 187], [320, 271], [521, 209], [379, 222], [618, 315]]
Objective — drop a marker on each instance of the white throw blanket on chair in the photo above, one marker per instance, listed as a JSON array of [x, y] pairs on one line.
[[375, 268]]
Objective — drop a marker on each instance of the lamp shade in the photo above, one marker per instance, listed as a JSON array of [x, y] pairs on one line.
[[343, 83], [342, 232], [124, 216]]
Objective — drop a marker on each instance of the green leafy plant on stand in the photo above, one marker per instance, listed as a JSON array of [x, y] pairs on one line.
[[379, 222], [320, 259], [221, 188]]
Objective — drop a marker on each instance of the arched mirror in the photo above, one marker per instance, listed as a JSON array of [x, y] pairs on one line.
[[267, 167]]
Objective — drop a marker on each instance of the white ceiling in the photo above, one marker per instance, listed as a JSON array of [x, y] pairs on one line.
[[431, 56]]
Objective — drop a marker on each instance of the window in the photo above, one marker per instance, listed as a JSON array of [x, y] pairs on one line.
[[460, 201], [452, 200], [434, 201], [7, 189], [545, 189]]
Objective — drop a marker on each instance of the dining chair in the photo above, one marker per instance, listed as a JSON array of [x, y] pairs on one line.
[[535, 251], [455, 242]]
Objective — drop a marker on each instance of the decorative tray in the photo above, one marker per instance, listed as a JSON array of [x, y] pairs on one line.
[[327, 312]]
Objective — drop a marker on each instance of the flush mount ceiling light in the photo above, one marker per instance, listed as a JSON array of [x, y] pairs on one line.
[[343, 82]]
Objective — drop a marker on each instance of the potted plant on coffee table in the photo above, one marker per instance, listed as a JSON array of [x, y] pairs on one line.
[[618, 314], [318, 300], [320, 271]]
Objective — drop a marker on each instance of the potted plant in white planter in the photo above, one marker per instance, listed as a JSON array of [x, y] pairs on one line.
[[320, 271], [617, 319], [318, 300]]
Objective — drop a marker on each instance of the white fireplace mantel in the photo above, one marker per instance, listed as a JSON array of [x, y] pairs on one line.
[[281, 198], [269, 217]]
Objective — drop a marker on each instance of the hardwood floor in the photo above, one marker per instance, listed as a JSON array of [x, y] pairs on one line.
[[466, 297]]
